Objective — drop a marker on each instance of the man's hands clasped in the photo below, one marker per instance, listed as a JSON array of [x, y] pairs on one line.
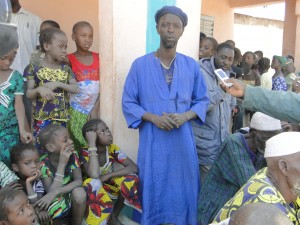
[[169, 121]]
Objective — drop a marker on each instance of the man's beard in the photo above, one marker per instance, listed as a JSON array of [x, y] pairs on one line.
[[168, 44]]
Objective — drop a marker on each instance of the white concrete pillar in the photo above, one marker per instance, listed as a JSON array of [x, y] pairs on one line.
[[289, 29], [297, 44]]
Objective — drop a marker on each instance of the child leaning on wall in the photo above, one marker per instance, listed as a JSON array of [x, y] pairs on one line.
[[85, 65]]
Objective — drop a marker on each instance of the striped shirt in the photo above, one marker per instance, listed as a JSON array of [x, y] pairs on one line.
[[28, 27], [6, 175]]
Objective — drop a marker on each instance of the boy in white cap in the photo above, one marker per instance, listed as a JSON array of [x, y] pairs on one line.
[[278, 184], [241, 155]]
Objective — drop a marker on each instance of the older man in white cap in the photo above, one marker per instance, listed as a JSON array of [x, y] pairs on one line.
[[241, 155], [278, 184]]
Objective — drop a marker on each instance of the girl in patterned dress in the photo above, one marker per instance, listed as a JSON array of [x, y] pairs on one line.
[[98, 162], [13, 123], [61, 176], [25, 163], [50, 81], [278, 80]]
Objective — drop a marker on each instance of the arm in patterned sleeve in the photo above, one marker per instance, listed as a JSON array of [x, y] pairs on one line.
[[129, 167]]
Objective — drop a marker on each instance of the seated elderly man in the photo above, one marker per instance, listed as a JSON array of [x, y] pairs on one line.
[[241, 155], [277, 184]]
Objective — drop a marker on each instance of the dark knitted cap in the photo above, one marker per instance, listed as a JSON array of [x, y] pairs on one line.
[[171, 10]]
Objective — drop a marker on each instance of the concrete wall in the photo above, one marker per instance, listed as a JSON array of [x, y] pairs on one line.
[[189, 42], [67, 13], [223, 18], [124, 33]]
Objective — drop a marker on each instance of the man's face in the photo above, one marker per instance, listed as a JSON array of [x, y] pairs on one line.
[[224, 58], [293, 173], [260, 138], [170, 29]]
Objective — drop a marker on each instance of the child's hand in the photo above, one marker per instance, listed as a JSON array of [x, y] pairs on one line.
[[65, 153], [45, 202], [43, 216], [52, 85], [91, 137], [46, 93], [26, 137], [105, 177], [35, 177]]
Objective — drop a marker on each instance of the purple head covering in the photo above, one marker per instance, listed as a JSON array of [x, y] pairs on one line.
[[171, 10]]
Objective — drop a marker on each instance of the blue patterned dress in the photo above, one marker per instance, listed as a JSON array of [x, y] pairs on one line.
[[279, 84]]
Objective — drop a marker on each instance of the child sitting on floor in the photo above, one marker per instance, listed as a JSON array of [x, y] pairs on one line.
[[61, 175], [98, 162], [26, 164], [15, 208]]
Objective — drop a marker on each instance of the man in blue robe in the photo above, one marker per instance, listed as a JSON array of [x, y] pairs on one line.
[[164, 90]]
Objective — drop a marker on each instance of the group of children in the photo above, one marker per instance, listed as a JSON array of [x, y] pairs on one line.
[[64, 162], [284, 68]]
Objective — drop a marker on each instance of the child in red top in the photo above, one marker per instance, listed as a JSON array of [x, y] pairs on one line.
[[85, 65]]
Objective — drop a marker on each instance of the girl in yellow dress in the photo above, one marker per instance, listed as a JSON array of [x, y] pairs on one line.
[[98, 163]]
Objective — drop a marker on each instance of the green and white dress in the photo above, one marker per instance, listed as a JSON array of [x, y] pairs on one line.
[[9, 129]]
